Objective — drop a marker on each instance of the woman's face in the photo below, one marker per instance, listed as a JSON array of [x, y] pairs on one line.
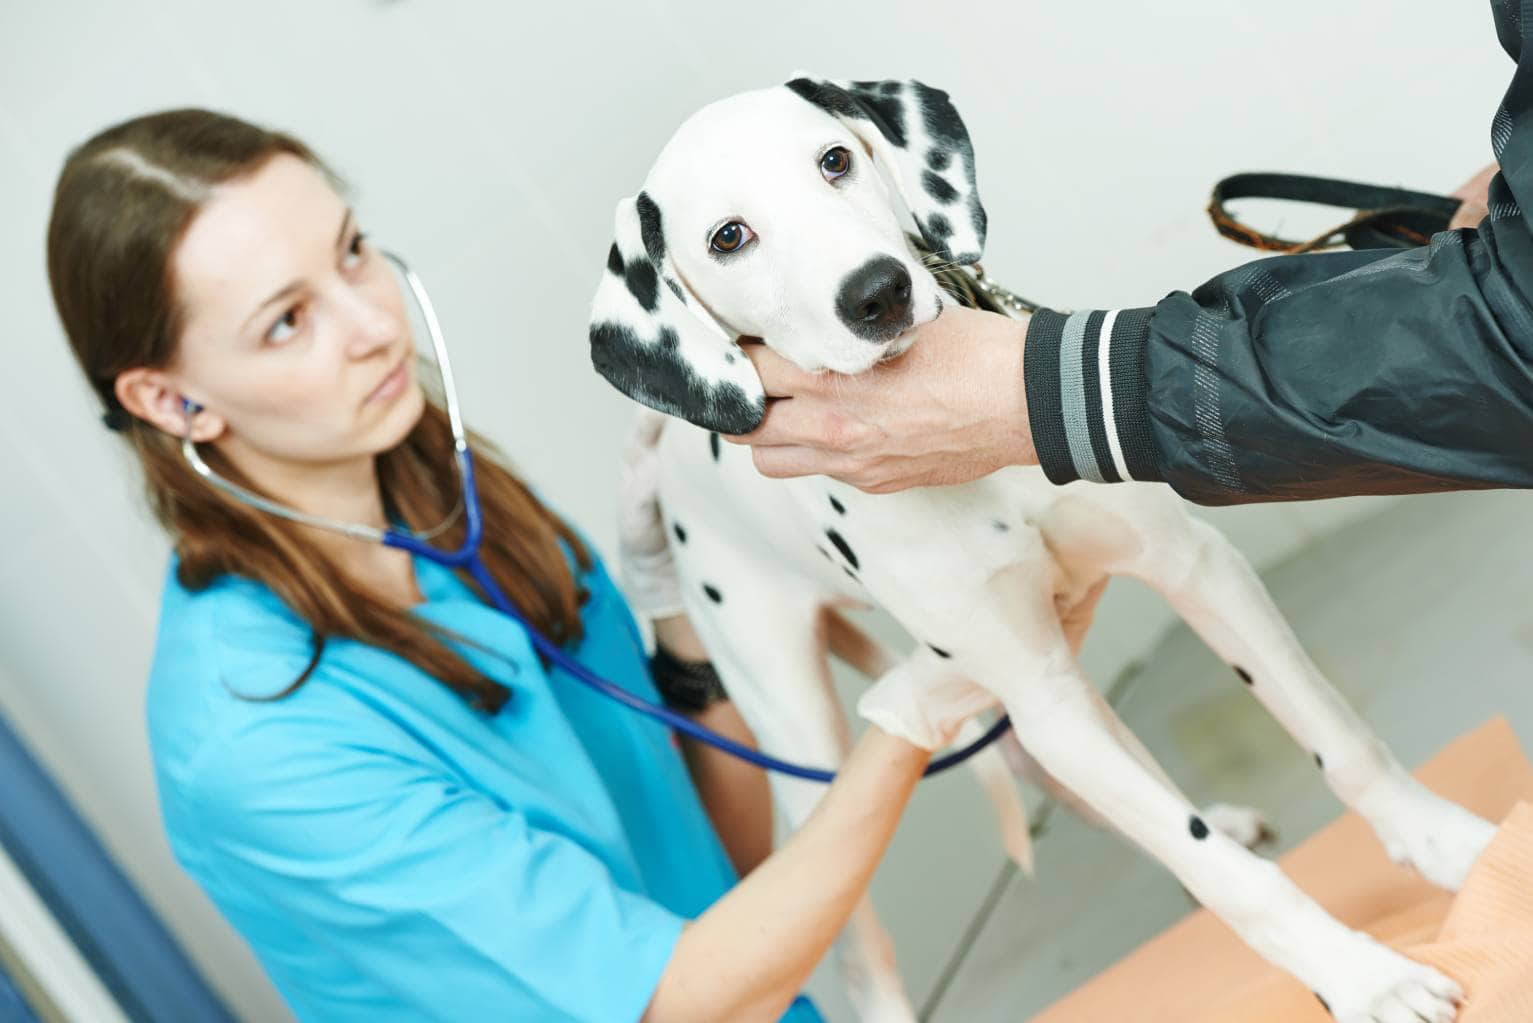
[[295, 340]]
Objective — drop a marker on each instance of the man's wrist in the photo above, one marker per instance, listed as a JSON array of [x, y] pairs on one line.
[[1011, 377], [1087, 402]]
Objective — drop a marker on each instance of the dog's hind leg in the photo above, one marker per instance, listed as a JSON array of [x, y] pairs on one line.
[[1218, 593], [991, 768]]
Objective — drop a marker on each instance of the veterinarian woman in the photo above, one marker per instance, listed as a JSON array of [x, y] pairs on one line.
[[1308, 376], [364, 765]]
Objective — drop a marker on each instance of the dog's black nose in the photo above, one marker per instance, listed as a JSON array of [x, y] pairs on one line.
[[874, 300]]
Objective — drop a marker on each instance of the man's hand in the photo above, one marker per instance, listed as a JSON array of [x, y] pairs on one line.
[[951, 409], [1475, 196]]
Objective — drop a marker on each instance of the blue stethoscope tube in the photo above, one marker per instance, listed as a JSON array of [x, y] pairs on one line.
[[467, 557]]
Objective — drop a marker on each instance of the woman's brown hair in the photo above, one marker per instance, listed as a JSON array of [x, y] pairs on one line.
[[123, 201]]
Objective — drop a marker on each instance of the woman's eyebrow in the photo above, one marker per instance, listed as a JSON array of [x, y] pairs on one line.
[[282, 292]]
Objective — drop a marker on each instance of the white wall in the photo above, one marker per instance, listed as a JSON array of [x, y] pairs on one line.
[[490, 142]]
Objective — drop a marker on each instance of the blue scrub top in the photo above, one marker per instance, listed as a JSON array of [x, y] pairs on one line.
[[389, 853]]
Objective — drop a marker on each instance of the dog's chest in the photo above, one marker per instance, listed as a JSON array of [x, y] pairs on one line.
[[835, 538]]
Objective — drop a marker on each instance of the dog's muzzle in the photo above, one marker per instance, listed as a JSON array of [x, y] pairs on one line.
[[874, 300]]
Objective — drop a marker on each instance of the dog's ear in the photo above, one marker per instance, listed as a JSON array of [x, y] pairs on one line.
[[914, 130], [655, 342]]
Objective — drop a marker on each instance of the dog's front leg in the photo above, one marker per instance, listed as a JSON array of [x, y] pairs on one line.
[[1221, 597], [1012, 644], [1359, 979], [1243, 824]]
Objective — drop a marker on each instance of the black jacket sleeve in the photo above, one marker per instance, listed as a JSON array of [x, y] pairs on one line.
[[1319, 375]]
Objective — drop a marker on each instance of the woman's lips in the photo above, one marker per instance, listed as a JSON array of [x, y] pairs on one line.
[[393, 384]]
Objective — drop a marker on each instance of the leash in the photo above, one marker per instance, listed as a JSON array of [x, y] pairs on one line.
[[1384, 217], [969, 286]]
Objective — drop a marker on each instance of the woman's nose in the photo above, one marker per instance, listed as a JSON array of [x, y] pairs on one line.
[[371, 323]]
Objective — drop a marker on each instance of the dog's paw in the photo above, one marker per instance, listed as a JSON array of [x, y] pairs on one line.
[[1241, 824], [1385, 987], [882, 1005], [1438, 838]]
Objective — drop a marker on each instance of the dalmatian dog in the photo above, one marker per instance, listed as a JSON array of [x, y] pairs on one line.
[[783, 215]]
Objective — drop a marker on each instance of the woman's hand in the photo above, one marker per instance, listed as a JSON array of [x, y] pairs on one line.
[[749, 953], [922, 703], [951, 409]]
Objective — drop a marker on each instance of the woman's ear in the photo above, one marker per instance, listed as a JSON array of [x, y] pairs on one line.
[[153, 396]]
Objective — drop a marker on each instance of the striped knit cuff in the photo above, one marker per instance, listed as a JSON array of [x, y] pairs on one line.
[[1086, 395]]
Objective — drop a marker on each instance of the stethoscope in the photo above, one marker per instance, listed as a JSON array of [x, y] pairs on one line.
[[467, 557]]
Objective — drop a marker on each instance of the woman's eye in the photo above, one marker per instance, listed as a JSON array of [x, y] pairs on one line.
[[357, 251], [284, 328], [836, 162], [730, 238]]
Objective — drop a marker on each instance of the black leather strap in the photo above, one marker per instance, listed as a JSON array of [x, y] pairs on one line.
[[1386, 217], [689, 686]]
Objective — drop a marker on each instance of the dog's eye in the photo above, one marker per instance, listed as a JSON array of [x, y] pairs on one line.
[[836, 162], [730, 238]]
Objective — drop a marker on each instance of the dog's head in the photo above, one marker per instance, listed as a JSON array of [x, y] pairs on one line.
[[780, 214]]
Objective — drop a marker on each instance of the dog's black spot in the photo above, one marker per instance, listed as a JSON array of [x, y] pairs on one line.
[[937, 230], [654, 373], [729, 357], [713, 593], [642, 284], [840, 508], [978, 218], [1245, 676], [676, 290], [1323, 1003], [713, 444], [615, 260], [649, 227], [941, 117], [841, 545], [850, 574], [938, 159], [1197, 827], [826, 553], [886, 113], [885, 108], [830, 98], [1319, 761], [1000, 526], [939, 651], [937, 187], [681, 534]]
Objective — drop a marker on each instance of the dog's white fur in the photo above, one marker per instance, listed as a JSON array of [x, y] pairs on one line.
[[983, 571]]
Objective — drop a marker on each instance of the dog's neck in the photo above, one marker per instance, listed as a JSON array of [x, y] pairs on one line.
[[969, 287]]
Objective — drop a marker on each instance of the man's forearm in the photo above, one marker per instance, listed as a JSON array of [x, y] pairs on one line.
[[1299, 377]]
